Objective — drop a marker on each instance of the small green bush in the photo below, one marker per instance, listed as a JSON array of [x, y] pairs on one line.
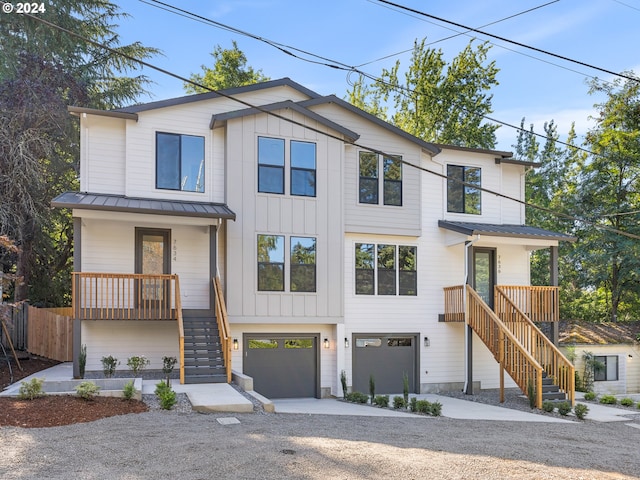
[[161, 386], [168, 364], [82, 360], [531, 393], [109, 365], [167, 399], [548, 406], [357, 397], [580, 410], [405, 387], [436, 409], [129, 390], [627, 402], [381, 401], [638, 405], [137, 364], [564, 408], [372, 387], [343, 383], [590, 396], [413, 404], [608, 400], [423, 406], [87, 390], [399, 403], [31, 389]]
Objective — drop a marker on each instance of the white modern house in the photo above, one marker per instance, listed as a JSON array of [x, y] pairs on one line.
[[341, 243]]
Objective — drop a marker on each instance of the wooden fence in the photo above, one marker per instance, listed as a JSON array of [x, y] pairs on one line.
[[15, 318], [50, 333]]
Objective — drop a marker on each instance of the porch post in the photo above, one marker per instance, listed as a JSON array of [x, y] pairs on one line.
[[553, 280], [468, 331], [213, 264], [77, 267]]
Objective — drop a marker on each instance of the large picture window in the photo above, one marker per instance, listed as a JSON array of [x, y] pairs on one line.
[[606, 368], [270, 165], [370, 165], [385, 269], [179, 162], [271, 263], [303, 169], [464, 198], [303, 264]]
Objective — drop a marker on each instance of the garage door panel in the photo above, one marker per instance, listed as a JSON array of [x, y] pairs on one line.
[[282, 367]]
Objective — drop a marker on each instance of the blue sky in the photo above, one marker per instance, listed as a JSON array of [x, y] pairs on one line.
[[603, 33]]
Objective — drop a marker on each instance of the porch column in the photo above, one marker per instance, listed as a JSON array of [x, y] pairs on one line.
[[77, 267], [553, 280], [468, 331]]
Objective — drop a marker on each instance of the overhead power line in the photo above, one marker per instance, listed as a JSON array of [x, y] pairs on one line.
[[327, 134], [539, 50]]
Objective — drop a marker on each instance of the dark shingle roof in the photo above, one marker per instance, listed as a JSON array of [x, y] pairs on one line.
[[122, 203], [605, 333]]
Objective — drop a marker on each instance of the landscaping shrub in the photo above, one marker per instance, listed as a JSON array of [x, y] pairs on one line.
[[608, 400], [413, 404], [168, 363], [590, 396], [87, 390], [137, 364], [381, 400], [31, 389], [372, 387], [627, 402], [423, 406], [580, 410], [548, 406], [129, 390], [167, 399], [399, 403], [405, 387], [357, 397], [343, 382], [109, 365], [436, 409], [531, 393], [82, 360], [564, 408]]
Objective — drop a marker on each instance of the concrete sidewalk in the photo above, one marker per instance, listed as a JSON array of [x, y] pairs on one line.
[[222, 397]]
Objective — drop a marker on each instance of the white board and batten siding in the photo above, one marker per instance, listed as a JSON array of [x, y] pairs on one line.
[[102, 154], [286, 215]]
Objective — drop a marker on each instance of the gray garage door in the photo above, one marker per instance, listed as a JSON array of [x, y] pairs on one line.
[[386, 357], [282, 366]]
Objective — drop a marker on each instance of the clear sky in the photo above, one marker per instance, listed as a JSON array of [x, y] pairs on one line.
[[371, 35]]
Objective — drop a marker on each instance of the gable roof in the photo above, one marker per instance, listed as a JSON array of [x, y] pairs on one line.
[[501, 230], [605, 333], [288, 104], [122, 203]]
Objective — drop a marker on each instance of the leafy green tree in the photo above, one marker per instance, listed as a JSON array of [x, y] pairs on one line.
[[436, 102], [229, 70], [42, 71]]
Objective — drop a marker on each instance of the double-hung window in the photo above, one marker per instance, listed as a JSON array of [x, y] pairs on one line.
[[370, 165], [606, 368], [303, 169], [385, 269], [273, 161], [463, 189], [272, 266], [179, 162]]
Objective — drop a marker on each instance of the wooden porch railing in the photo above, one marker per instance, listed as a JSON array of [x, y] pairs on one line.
[[540, 304], [118, 296], [454, 304], [555, 364], [506, 348], [223, 325]]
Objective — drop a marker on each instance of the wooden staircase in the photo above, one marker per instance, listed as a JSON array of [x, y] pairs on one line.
[[520, 348], [203, 355]]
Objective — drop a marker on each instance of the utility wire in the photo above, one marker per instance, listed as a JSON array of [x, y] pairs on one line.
[[539, 50], [329, 135]]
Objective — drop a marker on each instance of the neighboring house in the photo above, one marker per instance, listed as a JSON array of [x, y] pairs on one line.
[[334, 235], [615, 347]]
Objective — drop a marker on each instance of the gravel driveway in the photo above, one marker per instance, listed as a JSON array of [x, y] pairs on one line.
[[163, 445]]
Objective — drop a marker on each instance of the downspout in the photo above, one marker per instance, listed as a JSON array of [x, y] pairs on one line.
[[467, 333]]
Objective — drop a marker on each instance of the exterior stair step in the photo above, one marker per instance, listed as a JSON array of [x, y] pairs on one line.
[[203, 356]]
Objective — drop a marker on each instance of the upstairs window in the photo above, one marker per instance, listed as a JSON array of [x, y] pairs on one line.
[[303, 169], [179, 162], [464, 198], [303, 264], [370, 165], [385, 269], [270, 165]]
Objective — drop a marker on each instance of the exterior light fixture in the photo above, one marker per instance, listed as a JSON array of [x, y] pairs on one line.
[[235, 344], [326, 343], [346, 342], [426, 341]]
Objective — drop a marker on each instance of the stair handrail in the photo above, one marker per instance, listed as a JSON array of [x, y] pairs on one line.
[[557, 366], [223, 325], [512, 356], [178, 306]]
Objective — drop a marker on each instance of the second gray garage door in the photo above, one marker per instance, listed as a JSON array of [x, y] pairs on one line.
[[386, 357], [283, 366]]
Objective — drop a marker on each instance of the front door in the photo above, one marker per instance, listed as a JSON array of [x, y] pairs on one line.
[[484, 273], [153, 258]]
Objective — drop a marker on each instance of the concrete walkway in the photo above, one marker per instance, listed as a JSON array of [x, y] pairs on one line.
[[221, 397]]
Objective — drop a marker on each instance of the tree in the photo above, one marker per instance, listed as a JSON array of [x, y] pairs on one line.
[[229, 70], [610, 195], [436, 102], [42, 71]]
